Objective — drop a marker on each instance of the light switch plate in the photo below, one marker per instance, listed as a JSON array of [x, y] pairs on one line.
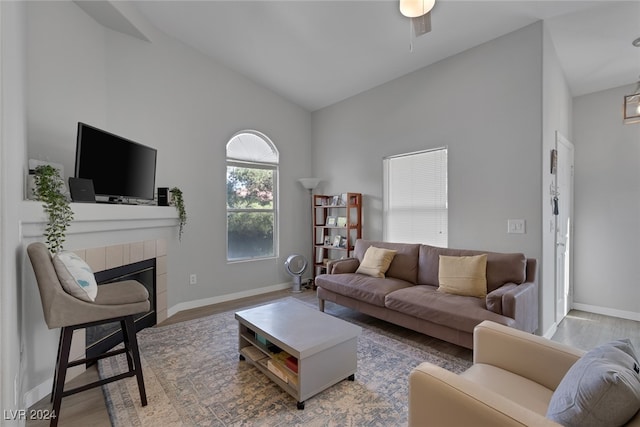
[[516, 226]]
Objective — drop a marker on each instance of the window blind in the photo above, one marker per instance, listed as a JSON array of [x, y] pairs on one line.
[[415, 198]]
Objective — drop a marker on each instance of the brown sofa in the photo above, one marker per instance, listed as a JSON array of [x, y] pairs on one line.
[[408, 294]]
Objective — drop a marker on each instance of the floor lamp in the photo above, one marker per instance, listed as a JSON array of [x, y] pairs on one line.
[[310, 184]]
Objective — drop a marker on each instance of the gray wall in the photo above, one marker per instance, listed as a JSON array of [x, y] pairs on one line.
[[169, 96], [12, 152], [485, 105], [607, 205]]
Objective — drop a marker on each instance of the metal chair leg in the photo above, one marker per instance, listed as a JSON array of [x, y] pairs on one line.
[[61, 373], [133, 344], [55, 371]]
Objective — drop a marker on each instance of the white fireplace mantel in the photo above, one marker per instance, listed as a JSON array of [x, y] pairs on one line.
[[98, 217]]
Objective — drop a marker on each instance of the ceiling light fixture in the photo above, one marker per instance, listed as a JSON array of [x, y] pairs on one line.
[[632, 107], [416, 8]]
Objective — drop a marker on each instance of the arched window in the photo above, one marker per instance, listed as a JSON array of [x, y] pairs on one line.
[[252, 183]]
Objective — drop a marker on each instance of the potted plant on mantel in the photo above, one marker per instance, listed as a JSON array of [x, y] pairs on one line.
[[178, 202], [48, 190]]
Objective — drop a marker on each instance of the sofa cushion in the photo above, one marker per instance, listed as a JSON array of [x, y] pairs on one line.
[[358, 286], [376, 261], [404, 265], [454, 311], [601, 389], [501, 267], [464, 275]]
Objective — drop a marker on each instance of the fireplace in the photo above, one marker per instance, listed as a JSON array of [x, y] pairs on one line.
[[103, 337]]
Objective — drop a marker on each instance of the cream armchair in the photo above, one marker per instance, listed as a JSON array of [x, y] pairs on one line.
[[513, 377]]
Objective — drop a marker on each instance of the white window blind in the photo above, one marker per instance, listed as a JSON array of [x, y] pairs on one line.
[[415, 198]]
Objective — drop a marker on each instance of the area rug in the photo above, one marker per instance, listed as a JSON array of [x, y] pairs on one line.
[[193, 377]]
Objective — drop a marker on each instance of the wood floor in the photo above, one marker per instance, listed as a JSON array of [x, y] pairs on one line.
[[579, 329]]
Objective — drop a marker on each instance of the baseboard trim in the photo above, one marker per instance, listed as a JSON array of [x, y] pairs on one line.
[[622, 314], [551, 331], [38, 393], [224, 298]]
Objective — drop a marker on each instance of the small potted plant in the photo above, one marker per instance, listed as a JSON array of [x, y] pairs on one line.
[[178, 202], [48, 189]]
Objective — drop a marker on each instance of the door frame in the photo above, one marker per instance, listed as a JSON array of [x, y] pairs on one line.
[[563, 301]]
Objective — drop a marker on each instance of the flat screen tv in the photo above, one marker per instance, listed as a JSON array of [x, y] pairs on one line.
[[120, 169]]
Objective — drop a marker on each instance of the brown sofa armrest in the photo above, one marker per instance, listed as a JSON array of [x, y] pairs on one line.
[[494, 298], [521, 304], [441, 398], [345, 265]]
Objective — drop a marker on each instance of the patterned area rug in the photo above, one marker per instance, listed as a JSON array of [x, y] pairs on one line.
[[193, 377]]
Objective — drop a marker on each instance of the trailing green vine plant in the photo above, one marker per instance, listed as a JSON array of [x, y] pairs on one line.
[[48, 189], [178, 202]]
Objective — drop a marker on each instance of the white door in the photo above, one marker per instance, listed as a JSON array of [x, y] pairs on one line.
[[564, 225]]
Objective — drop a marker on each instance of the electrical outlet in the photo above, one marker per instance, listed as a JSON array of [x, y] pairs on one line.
[[193, 279]]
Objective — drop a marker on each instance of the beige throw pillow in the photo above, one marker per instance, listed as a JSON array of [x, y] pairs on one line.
[[376, 261], [464, 275]]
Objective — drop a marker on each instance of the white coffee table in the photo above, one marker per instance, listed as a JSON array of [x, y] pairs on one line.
[[324, 347]]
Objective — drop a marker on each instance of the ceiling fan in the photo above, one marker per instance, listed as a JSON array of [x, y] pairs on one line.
[[419, 11]]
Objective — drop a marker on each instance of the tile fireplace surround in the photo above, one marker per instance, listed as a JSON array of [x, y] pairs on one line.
[[107, 257]]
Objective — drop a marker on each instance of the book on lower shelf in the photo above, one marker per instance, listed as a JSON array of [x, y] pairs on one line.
[[277, 371], [292, 363], [253, 353]]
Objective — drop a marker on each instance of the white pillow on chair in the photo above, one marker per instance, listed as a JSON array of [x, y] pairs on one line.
[[76, 276]]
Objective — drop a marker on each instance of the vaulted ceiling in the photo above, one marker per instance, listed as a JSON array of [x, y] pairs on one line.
[[316, 53]]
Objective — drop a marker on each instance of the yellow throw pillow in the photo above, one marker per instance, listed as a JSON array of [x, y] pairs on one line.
[[464, 275], [376, 261]]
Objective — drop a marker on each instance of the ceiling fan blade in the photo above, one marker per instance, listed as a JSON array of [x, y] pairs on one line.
[[421, 24]]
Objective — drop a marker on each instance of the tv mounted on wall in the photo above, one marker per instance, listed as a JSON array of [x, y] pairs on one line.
[[120, 169]]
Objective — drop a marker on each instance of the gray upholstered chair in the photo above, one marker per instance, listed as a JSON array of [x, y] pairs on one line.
[[115, 302]]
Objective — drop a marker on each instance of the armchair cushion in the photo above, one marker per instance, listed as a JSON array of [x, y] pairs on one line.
[[75, 276], [601, 389]]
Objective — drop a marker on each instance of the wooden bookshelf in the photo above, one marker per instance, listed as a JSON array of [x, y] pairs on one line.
[[337, 224]]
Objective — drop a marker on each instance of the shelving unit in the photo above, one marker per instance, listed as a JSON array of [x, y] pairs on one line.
[[299, 348], [269, 359], [337, 223]]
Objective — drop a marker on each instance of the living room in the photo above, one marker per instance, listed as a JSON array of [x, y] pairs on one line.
[[60, 66]]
